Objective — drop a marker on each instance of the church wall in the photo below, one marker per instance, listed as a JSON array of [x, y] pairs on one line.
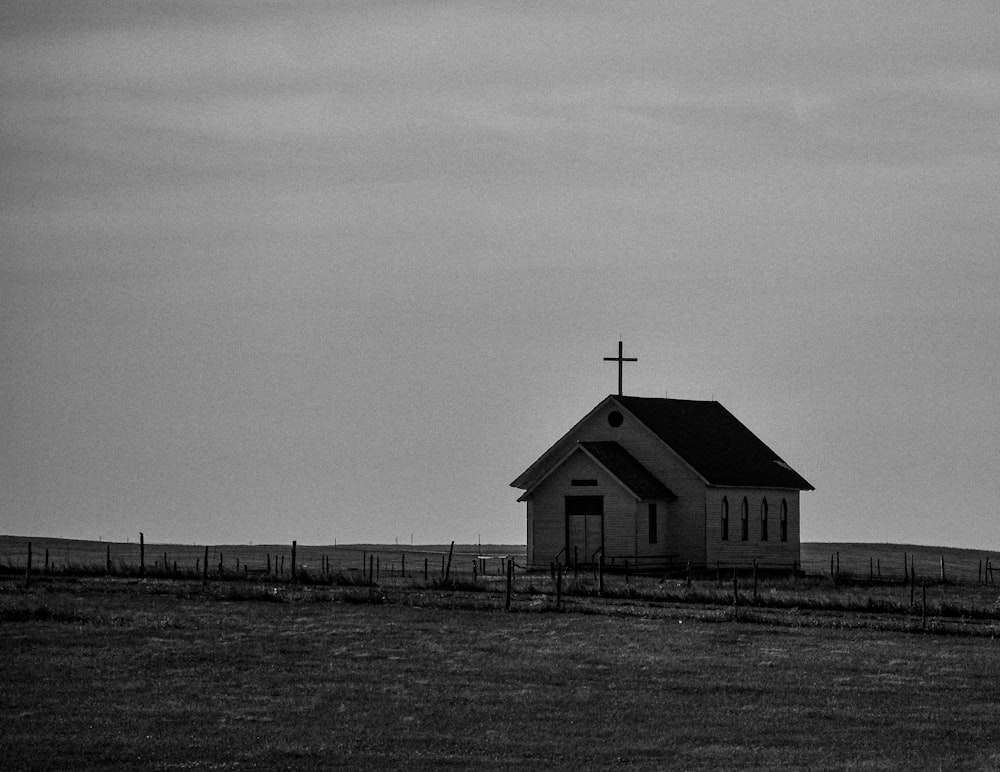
[[529, 506], [682, 537], [681, 534], [547, 508], [735, 551], [665, 549]]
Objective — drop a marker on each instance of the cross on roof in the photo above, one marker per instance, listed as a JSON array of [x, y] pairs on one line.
[[620, 360]]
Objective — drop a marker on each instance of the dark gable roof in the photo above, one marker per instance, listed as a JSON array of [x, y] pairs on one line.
[[628, 470], [714, 442]]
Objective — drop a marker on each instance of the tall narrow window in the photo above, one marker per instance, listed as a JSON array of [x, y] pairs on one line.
[[725, 519], [652, 522], [744, 520], [784, 520], [763, 520]]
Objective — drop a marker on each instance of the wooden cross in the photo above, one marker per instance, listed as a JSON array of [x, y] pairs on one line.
[[620, 360]]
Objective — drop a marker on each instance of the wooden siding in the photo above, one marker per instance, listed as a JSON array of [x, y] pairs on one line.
[[548, 507], [735, 551], [682, 534], [529, 507]]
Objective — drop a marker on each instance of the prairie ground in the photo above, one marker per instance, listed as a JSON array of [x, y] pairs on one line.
[[125, 674]]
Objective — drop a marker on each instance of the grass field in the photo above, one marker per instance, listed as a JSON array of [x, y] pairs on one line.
[[105, 673], [128, 673]]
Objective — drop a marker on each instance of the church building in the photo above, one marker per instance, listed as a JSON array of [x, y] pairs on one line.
[[659, 483]]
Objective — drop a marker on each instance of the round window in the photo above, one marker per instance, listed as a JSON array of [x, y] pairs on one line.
[[615, 418]]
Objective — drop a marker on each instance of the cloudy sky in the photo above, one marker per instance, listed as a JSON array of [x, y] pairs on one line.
[[342, 270]]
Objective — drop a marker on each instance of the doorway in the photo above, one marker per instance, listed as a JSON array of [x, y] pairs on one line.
[[584, 528]]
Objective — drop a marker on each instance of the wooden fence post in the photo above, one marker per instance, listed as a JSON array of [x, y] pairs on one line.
[[425, 569], [906, 572], [295, 575], [402, 564], [923, 606], [736, 591], [447, 570], [142, 554], [942, 570], [204, 576], [371, 569], [109, 559], [222, 564], [46, 569]]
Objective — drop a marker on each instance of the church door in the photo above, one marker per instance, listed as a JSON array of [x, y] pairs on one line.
[[584, 528]]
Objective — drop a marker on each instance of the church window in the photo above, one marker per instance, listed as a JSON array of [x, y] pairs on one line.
[[763, 520], [615, 419], [652, 522], [744, 520], [783, 516], [725, 519]]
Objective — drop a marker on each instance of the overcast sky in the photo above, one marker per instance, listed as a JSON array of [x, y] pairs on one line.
[[330, 270]]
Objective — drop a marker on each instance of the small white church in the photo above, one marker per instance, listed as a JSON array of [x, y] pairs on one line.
[[661, 482]]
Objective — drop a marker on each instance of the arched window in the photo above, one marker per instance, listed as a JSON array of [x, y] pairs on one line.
[[725, 519], [784, 520], [744, 520], [763, 520]]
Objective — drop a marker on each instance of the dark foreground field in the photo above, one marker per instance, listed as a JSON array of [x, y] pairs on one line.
[[124, 673]]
